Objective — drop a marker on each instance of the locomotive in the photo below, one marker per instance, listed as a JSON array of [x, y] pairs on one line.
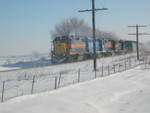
[[76, 48]]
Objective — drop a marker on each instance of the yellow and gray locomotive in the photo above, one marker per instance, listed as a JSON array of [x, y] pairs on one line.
[[68, 49]]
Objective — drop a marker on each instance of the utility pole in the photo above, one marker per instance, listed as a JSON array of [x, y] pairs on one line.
[[137, 37], [93, 10]]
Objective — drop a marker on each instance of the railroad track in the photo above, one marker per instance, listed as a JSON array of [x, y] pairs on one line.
[[53, 64]]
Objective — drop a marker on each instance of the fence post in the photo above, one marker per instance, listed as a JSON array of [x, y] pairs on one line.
[[135, 62], [95, 74], [130, 63], [102, 70], [33, 84], [125, 65], [145, 65], [145, 61], [138, 62], [119, 67], [79, 75], [108, 70], [56, 82], [59, 80], [3, 88], [114, 68]]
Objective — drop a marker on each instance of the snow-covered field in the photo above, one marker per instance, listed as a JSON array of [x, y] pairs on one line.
[[121, 92], [125, 92], [26, 61]]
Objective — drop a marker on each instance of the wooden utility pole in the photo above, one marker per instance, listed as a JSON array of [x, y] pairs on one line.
[[93, 10], [137, 37], [94, 36]]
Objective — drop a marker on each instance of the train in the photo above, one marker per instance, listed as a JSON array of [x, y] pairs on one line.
[[76, 48]]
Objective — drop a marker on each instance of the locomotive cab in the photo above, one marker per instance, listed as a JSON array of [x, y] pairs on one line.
[[60, 48]]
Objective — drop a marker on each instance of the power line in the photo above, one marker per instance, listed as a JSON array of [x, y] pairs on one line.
[[93, 10]]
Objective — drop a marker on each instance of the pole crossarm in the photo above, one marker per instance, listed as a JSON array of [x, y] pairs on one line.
[[132, 26], [142, 25], [89, 10], [137, 25], [139, 34], [143, 33]]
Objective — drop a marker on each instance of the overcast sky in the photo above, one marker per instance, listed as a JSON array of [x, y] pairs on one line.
[[25, 25]]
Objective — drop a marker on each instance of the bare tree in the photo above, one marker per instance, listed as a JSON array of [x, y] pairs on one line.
[[106, 35], [74, 26]]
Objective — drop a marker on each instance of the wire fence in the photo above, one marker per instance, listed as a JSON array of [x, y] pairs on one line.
[[36, 84]]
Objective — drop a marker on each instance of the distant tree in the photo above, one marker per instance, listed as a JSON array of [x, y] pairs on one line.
[[106, 35], [74, 26], [35, 54]]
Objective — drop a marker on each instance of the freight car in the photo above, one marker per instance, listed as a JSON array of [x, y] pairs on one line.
[[130, 46], [74, 48]]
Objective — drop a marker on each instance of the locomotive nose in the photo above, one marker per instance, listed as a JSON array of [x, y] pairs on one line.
[[60, 48]]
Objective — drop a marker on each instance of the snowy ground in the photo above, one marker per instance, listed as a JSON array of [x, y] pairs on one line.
[[124, 92], [26, 61], [121, 92]]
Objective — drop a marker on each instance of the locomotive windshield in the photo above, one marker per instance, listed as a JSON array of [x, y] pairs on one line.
[[63, 39]]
